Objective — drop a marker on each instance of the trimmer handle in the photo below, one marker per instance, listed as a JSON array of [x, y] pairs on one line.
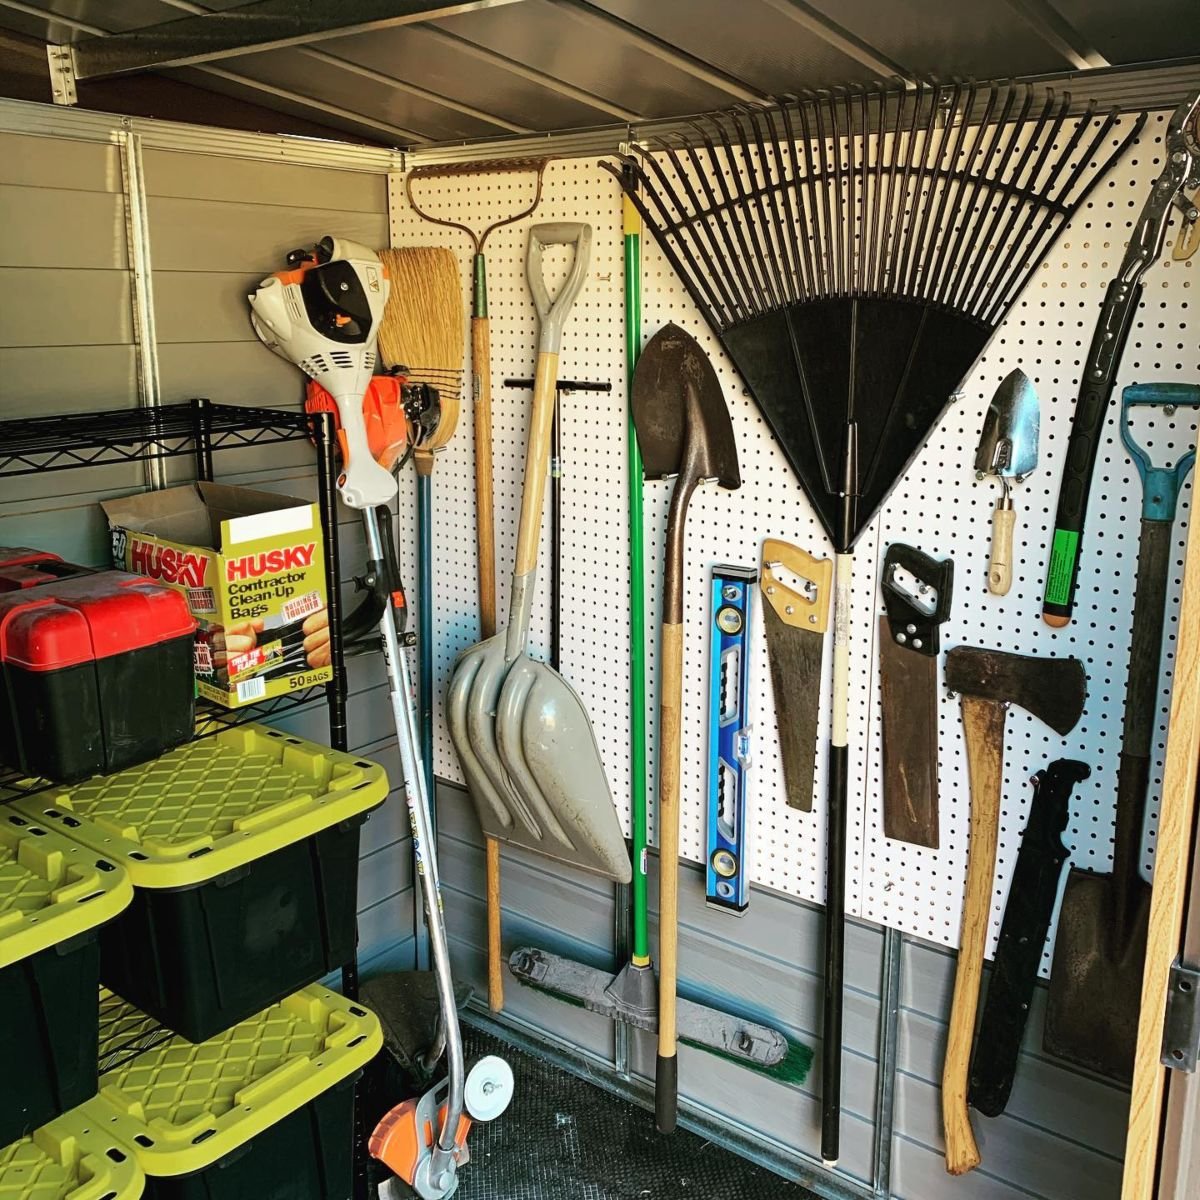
[[553, 313], [1160, 485]]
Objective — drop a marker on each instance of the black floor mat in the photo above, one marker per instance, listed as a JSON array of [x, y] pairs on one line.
[[565, 1139]]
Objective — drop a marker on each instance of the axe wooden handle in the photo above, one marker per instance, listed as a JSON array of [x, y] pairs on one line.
[[983, 722]]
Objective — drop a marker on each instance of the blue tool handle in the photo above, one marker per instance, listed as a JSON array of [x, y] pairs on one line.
[[1160, 484]]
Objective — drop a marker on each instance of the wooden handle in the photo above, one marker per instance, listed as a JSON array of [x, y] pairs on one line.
[[983, 722], [1000, 564], [485, 520], [670, 703], [795, 608], [495, 949], [537, 463]]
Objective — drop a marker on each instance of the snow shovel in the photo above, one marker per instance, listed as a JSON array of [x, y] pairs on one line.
[[522, 734], [1100, 949], [683, 429]]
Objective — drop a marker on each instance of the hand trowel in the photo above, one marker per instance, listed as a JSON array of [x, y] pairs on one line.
[[1008, 449]]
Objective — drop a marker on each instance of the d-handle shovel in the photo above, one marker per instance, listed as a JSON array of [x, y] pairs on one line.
[[522, 734], [1100, 948]]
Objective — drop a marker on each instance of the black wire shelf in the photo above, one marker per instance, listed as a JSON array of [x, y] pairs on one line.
[[211, 718], [63, 443]]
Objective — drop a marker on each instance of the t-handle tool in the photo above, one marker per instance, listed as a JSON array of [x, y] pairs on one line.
[[1100, 948], [1180, 175]]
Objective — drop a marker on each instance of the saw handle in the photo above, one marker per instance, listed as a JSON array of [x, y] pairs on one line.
[[983, 722], [1004, 518], [794, 608], [905, 616]]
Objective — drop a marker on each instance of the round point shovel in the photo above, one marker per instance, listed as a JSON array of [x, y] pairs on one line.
[[521, 732], [683, 429]]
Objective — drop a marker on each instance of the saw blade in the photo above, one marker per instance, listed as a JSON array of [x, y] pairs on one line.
[[795, 593], [909, 637]]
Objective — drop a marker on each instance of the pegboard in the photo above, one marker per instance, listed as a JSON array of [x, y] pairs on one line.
[[937, 506]]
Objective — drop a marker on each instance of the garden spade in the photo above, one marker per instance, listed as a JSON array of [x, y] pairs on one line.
[[521, 732], [683, 429]]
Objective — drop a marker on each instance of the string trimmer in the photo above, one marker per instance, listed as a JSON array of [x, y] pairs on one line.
[[323, 315]]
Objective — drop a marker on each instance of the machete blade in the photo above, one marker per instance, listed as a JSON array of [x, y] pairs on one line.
[[795, 622]]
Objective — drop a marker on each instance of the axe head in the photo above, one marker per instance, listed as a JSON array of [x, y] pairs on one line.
[[1053, 689]]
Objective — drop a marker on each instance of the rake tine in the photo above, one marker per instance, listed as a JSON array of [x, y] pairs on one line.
[[893, 188], [1010, 196], [699, 235], [965, 200], [724, 217], [826, 256], [1039, 242], [926, 178], [771, 157], [881, 178], [668, 223], [979, 191], [813, 206], [800, 223], [761, 227], [834, 161], [903, 210], [860, 264]]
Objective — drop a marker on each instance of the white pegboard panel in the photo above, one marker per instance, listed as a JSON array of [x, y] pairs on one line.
[[938, 506]]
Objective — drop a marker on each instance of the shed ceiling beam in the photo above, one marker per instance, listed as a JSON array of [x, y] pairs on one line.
[[379, 77], [1059, 34], [550, 83], [395, 132], [689, 64], [251, 28], [841, 39]]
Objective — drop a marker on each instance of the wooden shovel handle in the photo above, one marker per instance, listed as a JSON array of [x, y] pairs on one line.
[[485, 545], [983, 722], [670, 704], [537, 463]]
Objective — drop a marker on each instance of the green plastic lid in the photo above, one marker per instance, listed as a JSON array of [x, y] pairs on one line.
[[51, 888], [180, 1107], [211, 805], [71, 1158]]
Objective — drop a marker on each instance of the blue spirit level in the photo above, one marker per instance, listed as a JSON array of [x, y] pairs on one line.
[[726, 884]]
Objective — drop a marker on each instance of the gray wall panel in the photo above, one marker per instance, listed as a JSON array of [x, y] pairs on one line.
[[36, 380], [53, 163], [65, 307], [62, 229]]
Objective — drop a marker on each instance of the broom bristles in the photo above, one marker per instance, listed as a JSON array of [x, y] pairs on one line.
[[422, 327]]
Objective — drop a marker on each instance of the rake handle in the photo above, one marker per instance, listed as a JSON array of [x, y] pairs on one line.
[[983, 723]]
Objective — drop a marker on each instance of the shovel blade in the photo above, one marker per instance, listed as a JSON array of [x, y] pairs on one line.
[[531, 762], [1096, 978], [670, 367]]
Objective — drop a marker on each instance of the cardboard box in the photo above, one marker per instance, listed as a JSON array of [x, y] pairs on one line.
[[252, 567]]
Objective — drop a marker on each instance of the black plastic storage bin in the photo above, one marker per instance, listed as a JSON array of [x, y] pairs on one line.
[[243, 852], [53, 896], [306, 1156]]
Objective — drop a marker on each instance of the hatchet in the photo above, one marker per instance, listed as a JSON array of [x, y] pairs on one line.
[[989, 681]]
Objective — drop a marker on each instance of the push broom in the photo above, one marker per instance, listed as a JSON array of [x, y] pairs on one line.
[[854, 252]]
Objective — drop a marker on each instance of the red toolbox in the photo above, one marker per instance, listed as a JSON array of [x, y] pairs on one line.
[[95, 675], [21, 567]]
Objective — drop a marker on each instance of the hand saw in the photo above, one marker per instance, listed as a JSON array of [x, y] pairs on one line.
[[795, 592], [909, 640]]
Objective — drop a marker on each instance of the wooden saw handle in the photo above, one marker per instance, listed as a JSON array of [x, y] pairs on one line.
[[983, 722], [1004, 517]]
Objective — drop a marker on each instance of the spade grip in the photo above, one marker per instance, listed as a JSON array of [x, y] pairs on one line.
[[553, 314]]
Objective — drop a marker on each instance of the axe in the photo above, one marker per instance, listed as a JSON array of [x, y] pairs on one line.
[[988, 681]]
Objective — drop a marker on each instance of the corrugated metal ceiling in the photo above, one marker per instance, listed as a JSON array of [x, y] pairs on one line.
[[521, 67]]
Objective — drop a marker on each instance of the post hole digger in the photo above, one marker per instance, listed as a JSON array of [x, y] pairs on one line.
[[853, 293], [323, 315]]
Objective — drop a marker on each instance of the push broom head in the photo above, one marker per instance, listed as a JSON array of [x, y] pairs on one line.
[[855, 250], [422, 332]]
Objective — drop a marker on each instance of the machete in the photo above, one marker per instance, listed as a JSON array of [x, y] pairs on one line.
[[1031, 898]]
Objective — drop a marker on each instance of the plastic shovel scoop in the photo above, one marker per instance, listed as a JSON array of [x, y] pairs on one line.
[[521, 732], [683, 429]]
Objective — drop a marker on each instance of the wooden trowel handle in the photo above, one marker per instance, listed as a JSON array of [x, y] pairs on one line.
[[1000, 573], [983, 722], [670, 703]]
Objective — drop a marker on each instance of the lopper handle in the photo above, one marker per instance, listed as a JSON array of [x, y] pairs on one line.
[[1004, 518]]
